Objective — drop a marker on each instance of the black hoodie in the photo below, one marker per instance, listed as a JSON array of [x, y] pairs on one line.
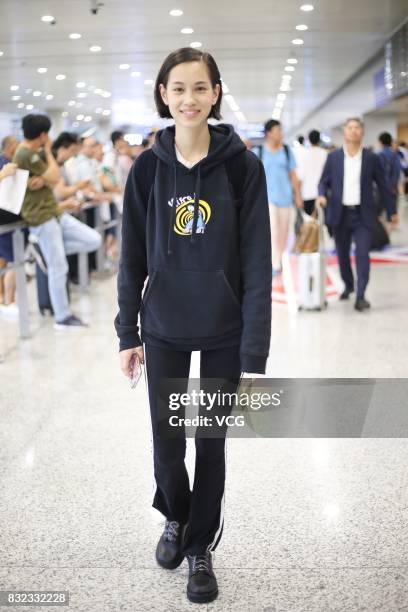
[[208, 258]]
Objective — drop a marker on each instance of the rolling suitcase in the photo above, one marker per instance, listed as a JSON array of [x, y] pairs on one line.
[[312, 274]]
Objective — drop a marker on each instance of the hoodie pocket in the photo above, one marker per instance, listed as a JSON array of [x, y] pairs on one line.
[[190, 304]]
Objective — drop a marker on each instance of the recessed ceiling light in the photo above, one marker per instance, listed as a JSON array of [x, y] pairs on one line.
[[80, 84], [29, 107], [82, 94], [196, 44], [106, 94], [176, 13], [75, 36], [98, 111], [37, 94], [41, 70], [148, 82], [286, 77], [187, 31], [106, 112], [88, 118], [1, 53], [292, 60], [64, 114], [124, 66], [60, 77], [75, 124], [79, 117], [20, 105], [302, 27], [95, 49], [297, 41], [284, 87], [71, 103], [15, 98], [14, 87], [289, 69], [307, 7], [281, 96], [135, 74], [47, 18], [231, 102], [98, 91], [49, 97], [279, 103]]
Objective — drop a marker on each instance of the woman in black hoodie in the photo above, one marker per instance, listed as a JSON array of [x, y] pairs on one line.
[[196, 224]]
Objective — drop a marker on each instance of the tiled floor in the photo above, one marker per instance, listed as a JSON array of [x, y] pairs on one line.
[[311, 525]]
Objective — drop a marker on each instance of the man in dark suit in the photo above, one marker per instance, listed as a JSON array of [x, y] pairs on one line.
[[346, 187]]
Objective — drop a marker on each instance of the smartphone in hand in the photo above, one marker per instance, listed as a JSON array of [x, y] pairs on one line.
[[135, 371]]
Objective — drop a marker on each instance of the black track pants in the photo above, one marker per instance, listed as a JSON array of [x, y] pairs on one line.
[[201, 508]]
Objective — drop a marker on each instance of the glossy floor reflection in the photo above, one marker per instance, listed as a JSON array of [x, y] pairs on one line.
[[310, 525]]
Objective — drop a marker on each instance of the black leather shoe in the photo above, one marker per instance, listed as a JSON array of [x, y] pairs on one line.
[[202, 584], [361, 304], [168, 550], [346, 293]]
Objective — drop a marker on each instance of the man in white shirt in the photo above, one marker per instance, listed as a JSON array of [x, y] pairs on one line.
[[348, 175], [310, 168]]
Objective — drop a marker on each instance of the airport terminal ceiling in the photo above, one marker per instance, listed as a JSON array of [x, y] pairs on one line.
[[120, 44]]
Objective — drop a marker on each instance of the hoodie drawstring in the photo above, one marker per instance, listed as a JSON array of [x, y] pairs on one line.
[[196, 203], [174, 207], [173, 211]]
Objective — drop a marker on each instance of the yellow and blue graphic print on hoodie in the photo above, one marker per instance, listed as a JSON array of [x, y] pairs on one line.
[[206, 255], [184, 220]]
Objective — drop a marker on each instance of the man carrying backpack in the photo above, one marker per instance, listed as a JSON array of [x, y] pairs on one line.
[[283, 189]]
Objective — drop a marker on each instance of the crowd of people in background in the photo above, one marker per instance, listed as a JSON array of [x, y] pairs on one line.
[[72, 176], [69, 178]]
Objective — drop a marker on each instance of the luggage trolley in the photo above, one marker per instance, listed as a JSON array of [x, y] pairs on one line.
[[312, 274]]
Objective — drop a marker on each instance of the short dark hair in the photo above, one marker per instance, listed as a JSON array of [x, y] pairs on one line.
[[356, 119], [35, 125], [116, 135], [314, 137], [301, 139], [386, 139], [271, 123], [187, 54], [65, 140]]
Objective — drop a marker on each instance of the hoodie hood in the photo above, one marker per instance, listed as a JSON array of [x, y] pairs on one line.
[[224, 144]]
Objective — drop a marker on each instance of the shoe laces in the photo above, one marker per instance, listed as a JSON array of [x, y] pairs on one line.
[[201, 563], [171, 531]]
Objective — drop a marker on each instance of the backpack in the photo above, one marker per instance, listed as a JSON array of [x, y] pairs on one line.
[[236, 171], [286, 149]]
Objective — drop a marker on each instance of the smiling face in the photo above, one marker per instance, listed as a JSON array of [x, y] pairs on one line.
[[189, 93]]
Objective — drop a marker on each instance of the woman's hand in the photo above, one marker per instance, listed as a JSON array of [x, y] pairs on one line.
[[35, 183], [126, 356], [7, 170], [69, 205], [81, 185]]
